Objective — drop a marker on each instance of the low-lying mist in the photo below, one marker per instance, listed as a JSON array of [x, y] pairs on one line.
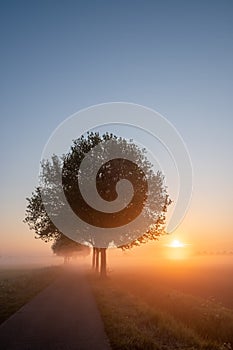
[[204, 276]]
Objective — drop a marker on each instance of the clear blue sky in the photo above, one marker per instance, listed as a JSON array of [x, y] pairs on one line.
[[173, 56]]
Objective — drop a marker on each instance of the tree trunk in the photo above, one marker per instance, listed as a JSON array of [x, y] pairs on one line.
[[103, 267], [97, 251], [93, 258]]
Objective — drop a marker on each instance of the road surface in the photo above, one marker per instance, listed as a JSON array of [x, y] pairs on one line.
[[64, 316]]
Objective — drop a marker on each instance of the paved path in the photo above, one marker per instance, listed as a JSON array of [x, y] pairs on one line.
[[62, 317]]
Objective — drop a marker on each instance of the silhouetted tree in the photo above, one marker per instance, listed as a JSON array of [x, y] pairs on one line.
[[67, 248], [138, 173], [37, 218]]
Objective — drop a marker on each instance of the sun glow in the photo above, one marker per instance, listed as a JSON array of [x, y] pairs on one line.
[[177, 250], [176, 244]]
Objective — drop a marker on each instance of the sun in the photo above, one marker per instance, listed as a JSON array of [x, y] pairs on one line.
[[177, 250], [176, 244]]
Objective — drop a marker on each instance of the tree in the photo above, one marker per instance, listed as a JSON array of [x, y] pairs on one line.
[[138, 172], [37, 218], [66, 247]]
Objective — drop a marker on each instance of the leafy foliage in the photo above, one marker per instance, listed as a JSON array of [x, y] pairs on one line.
[[38, 219], [66, 247], [107, 178]]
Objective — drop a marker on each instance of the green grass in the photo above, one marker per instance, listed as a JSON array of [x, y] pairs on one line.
[[18, 286], [208, 318], [135, 320]]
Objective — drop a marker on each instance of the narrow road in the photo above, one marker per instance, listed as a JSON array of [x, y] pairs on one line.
[[62, 317]]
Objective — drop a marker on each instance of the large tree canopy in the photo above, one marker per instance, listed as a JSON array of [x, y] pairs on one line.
[[153, 200]]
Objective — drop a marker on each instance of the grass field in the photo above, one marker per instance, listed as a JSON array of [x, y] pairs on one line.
[[141, 308], [139, 312], [18, 286]]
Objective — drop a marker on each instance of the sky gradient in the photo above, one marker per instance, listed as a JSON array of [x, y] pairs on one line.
[[176, 57]]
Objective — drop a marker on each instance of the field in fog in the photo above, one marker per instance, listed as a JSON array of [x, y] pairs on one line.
[[189, 301], [19, 285], [158, 304], [208, 277]]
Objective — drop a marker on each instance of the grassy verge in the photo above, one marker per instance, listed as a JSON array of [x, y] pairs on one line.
[[18, 286], [134, 322], [208, 318]]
